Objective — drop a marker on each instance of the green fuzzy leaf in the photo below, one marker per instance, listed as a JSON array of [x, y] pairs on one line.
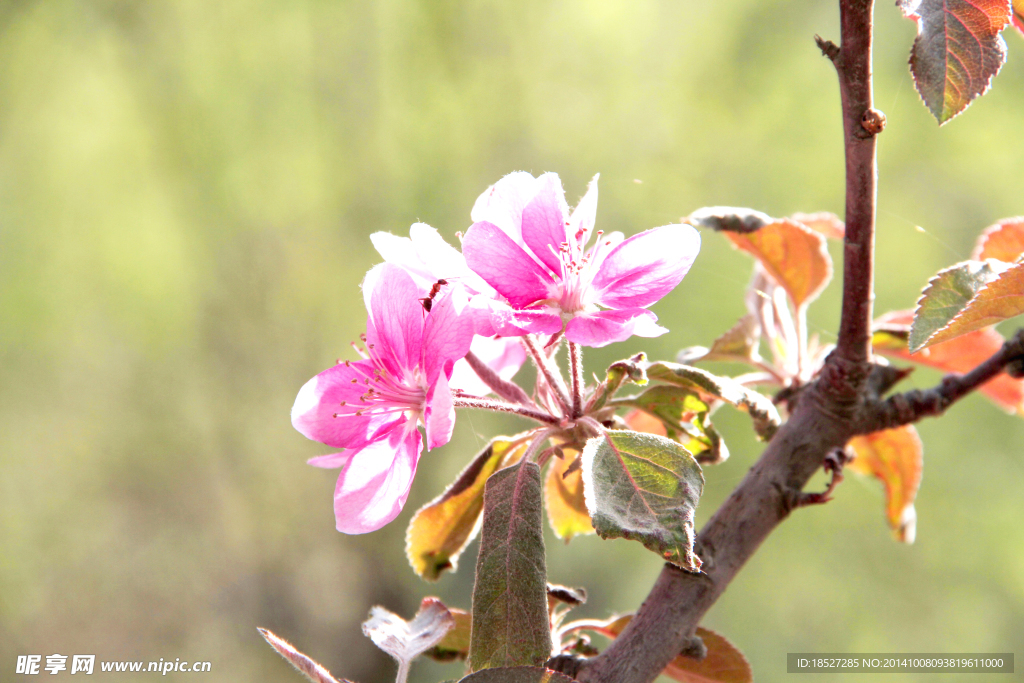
[[957, 52], [517, 674], [644, 487], [686, 418], [946, 295], [441, 529], [710, 386], [618, 372], [510, 604]]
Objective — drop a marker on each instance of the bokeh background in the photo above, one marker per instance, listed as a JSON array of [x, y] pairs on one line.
[[186, 194]]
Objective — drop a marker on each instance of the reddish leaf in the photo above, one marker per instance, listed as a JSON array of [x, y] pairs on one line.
[[313, 671], [792, 254], [511, 625], [957, 51], [999, 300], [825, 222], [958, 355], [1004, 240], [1018, 15], [563, 497], [896, 457], [641, 421], [724, 663]]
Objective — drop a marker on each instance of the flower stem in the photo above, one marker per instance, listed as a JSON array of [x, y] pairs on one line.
[[576, 366], [463, 401], [507, 390], [537, 443], [550, 372]]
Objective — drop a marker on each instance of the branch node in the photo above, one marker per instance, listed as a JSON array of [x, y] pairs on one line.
[[833, 464], [827, 47], [872, 121], [694, 647], [569, 665]]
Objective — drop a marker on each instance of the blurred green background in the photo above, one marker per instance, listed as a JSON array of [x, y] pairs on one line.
[[186, 194]]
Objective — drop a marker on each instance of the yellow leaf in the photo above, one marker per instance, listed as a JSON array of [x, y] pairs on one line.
[[441, 529], [455, 644], [896, 457], [563, 495]]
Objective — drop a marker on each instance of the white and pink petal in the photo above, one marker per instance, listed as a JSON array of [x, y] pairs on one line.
[[374, 485], [601, 328], [644, 268]]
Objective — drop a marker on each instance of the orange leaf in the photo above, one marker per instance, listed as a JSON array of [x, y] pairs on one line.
[[1018, 15], [792, 254], [563, 495], [825, 222], [641, 421], [1005, 239], [895, 456], [960, 355], [724, 663], [999, 300]]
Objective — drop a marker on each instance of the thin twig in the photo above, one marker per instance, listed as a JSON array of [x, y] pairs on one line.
[[853, 65], [462, 401], [915, 405]]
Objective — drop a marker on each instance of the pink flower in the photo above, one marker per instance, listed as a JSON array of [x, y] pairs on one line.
[[371, 407], [428, 259], [532, 251]]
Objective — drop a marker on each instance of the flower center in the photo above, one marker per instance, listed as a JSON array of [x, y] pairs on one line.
[[578, 268]]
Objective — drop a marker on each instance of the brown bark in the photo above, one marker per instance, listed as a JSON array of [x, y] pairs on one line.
[[840, 404], [822, 420]]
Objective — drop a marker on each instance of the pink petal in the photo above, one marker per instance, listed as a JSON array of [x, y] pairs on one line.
[[439, 416], [448, 332], [320, 399], [544, 220], [395, 327], [503, 203], [373, 488], [604, 327], [581, 222], [505, 266], [539, 321], [646, 267], [331, 460]]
